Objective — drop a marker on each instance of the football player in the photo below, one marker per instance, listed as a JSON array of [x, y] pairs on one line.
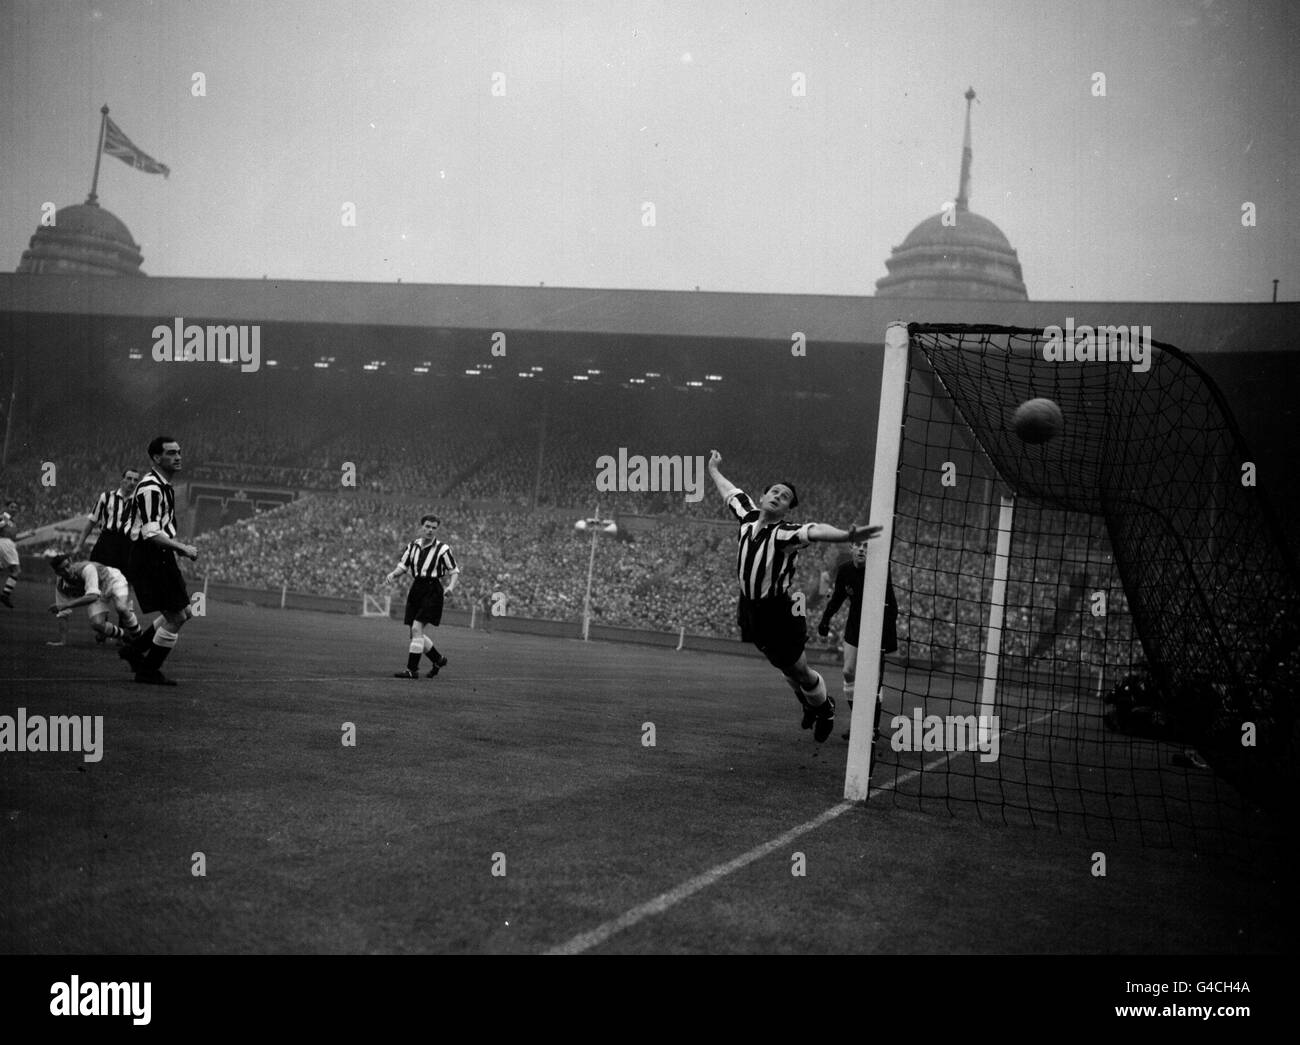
[[100, 588]]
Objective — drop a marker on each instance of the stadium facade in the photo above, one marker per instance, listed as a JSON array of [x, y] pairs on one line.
[[98, 332]]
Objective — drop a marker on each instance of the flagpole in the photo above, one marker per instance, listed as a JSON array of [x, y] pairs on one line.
[[93, 199]]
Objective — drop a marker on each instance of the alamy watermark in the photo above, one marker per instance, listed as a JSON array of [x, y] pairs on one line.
[[74, 998], [191, 343], [25, 732], [946, 733], [1102, 344], [638, 474]]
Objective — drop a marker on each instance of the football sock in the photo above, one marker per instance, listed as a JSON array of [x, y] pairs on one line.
[[413, 655], [10, 585], [848, 689], [142, 644], [816, 696], [129, 625], [109, 631], [164, 641]]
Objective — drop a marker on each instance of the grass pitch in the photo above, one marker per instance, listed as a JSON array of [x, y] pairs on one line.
[[527, 757]]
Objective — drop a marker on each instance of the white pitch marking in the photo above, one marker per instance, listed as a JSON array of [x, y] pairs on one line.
[[661, 903], [62, 679]]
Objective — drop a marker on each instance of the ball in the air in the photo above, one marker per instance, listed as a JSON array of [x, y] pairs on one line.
[[1038, 420]]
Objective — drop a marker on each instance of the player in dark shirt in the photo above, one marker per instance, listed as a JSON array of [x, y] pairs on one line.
[[849, 579], [769, 618]]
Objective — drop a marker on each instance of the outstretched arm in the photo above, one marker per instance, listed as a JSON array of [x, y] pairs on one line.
[[834, 535], [725, 486], [81, 600]]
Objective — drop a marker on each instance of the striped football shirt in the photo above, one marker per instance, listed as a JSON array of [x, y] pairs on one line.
[[765, 554], [424, 561], [155, 507], [113, 512]]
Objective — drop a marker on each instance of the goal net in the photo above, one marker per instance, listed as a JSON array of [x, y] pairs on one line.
[[1097, 631]]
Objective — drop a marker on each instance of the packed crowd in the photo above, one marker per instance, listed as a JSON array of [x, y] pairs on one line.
[[676, 575], [479, 451], [680, 574]]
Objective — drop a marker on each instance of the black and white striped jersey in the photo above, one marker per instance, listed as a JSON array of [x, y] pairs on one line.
[[155, 507], [424, 561], [114, 511], [765, 555]]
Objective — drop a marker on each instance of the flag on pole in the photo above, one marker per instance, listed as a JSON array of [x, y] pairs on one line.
[[118, 144]]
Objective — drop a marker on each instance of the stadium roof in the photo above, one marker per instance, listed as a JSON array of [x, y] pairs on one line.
[[1198, 328]]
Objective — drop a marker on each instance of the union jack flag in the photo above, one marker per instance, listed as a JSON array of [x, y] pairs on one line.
[[118, 144]]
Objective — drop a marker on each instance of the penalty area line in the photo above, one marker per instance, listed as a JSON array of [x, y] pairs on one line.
[[662, 902], [260, 679], [585, 941]]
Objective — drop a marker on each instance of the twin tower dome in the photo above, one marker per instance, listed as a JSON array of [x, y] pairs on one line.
[[84, 239], [953, 254]]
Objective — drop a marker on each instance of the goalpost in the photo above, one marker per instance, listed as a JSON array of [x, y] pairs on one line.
[[871, 621], [997, 607], [1026, 572], [376, 605]]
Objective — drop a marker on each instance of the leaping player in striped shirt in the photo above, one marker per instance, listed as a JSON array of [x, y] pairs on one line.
[[428, 560], [767, 546]]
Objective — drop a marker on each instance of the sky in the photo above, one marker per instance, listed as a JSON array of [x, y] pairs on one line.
[[784, 147]]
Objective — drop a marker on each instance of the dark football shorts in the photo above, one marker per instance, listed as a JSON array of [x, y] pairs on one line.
[[157, 579], [112, 549], [773, 627], [424, 602]]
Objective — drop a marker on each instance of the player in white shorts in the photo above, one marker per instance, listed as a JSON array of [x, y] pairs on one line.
[[102, 590], [9, 568]]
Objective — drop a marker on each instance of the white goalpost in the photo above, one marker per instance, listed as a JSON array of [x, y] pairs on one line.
[[889, 444], [376, 605], [997, 608]]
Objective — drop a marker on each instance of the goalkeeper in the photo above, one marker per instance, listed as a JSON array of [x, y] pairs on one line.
[[849, 580]]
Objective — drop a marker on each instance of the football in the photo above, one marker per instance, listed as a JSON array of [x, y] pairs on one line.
[[1038, 420]]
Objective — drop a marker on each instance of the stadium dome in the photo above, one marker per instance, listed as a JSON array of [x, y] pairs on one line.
[[956, 253], [85, 239]]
